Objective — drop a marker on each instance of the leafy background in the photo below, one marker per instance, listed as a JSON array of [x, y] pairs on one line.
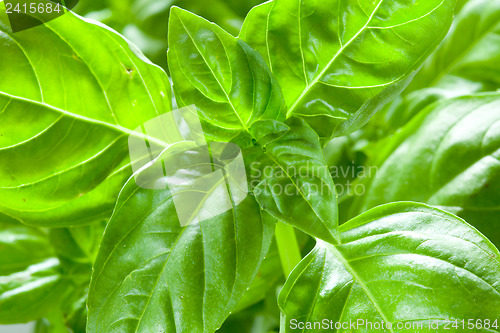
[[145, 22], [465, 63]]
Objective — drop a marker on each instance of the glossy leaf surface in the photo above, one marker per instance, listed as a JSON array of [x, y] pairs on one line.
[[338, 62], [296, 187], [448, 156], [152, 275], [227, 81], [401, 262], [65, 113], [236, 96], [143, 22], [465, 63]]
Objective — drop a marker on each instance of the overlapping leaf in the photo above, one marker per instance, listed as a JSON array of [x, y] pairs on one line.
[[338, 62], [237, 98], [404, 108], [296, 185], [448, 156], [224, 78], [464, 64], [398, 263]]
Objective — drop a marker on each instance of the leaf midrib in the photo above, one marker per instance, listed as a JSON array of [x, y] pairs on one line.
[[360, 282], [302, 194], [173, 245], [213, 74], [327, 67], [115, 127]]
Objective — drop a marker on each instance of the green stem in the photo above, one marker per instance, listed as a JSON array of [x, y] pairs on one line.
[[288, 247], [56, 319]]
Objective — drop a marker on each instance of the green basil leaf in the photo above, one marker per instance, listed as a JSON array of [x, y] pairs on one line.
[[225, 79], [469, 53], [76, 249], [448, 156], [238, 99], [404, 108], [270, 274], [27, 295], [76, 318], [338, 62], [460, 4], [253, 31], [464, 64], [151, 274], [398, 263], [72, 90], [297, 187], [30, 276]]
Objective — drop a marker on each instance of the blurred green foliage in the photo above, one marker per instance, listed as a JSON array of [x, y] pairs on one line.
[[145, 22]]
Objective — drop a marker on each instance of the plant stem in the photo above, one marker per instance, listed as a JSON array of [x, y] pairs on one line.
[[56, 319], [288, 247]]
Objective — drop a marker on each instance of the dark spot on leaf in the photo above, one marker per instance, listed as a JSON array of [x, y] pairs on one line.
[[129, 71]]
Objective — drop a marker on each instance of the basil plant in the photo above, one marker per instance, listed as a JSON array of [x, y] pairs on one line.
[[334, 166]]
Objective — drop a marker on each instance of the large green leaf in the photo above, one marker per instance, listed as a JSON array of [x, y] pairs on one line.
[[237, 98], [401, 262], [152, 275], [224, 78], [31, 281], [271, 273], [448, 156], [338, 62], [471, 50], [70, 94]]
